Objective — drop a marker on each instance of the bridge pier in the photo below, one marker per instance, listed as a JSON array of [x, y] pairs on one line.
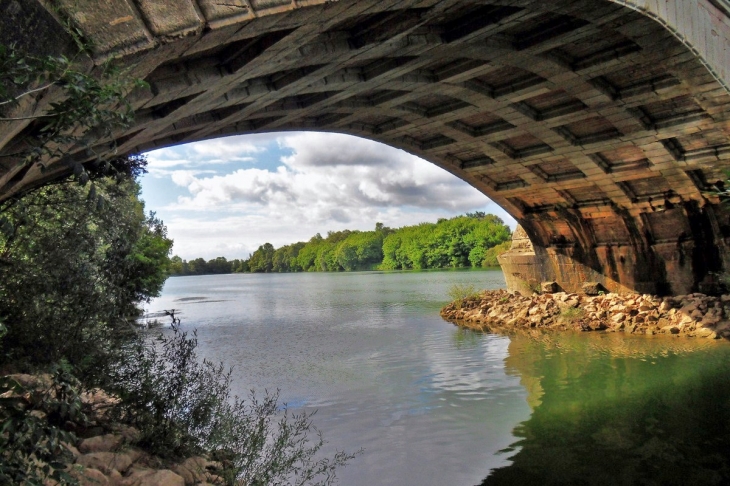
[[693, 256]]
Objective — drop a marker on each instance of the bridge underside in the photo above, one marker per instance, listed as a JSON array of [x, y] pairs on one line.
[[589, 122]]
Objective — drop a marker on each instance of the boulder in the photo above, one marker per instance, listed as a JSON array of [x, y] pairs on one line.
[[130, 434], [549, 287], [593, 288], [71, 449], [722, 326], [101, 443], [193, 470], [107, 462], [89, 477], [705, 333], [665, 306], [151, 477], [32, 382]]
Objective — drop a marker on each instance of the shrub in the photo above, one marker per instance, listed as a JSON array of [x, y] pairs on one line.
[[71, 273], [490, 255], [459, 293], [31, 449], [183, 406]]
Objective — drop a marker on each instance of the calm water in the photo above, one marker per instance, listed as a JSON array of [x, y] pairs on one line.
[[436, 405]]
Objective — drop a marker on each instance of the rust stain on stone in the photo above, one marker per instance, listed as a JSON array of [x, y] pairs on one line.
[[121, 20]]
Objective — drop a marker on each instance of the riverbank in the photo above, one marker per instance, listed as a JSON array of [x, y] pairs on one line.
[[692, 315], [97, 450]]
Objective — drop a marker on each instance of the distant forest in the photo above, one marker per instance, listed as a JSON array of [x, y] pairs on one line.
[[473, 240]]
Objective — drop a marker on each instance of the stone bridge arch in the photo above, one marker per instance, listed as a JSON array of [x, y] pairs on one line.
[[599, 125]]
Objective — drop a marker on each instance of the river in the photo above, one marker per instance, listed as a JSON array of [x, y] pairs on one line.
[[433, 404]]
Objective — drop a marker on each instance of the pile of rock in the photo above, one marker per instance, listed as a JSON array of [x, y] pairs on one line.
[[697, 315], [105, 454], [110, 460]]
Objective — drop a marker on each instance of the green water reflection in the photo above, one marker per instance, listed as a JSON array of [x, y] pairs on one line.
[[607, 409]]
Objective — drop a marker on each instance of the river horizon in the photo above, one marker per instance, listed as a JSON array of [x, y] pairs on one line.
[[429, 402]]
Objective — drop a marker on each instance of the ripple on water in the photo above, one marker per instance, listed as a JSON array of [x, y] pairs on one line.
[[430, 403]]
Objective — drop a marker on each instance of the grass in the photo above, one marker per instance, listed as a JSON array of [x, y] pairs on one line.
[[572, 314], [459, 293]]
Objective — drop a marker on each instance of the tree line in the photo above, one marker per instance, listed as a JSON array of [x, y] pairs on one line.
[[472, 240]]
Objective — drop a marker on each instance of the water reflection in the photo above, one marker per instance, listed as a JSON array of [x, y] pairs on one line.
[[614, 410], [430, 403]]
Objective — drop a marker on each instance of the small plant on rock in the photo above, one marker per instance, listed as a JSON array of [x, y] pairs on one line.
[[460, 293], [572, 314]]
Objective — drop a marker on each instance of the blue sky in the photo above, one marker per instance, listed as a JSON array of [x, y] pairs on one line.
[[225, 197]]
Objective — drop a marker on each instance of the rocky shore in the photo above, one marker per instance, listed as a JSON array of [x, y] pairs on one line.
[[105, 453], [692, 315]]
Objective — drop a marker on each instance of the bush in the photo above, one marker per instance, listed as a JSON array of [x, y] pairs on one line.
[[71, 273], [31, 449], [183, 406], [460, 293], [490, 255]]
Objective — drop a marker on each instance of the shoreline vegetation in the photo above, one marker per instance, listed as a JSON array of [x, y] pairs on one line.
[[470, 241], [72, 273], [692, 315]]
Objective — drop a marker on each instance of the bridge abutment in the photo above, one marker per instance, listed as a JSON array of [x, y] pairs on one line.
[[693, 256]]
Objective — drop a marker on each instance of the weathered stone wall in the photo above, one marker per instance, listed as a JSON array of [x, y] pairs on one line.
[[704, 26]]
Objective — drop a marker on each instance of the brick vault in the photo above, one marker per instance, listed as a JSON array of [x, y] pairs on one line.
[[599, 125]]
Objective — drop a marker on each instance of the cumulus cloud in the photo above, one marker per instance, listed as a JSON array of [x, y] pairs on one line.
[[333, 149], [236, 149], [332, 170], [319, 182]]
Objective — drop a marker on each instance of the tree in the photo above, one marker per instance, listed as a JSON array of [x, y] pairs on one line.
[[218, 265], [71, 272], [239, 266], [262, 259]]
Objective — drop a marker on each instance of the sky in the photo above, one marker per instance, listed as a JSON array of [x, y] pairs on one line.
[[226, 197]]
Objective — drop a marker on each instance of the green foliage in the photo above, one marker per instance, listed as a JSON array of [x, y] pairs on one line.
[[473, 240], [572, 314], [491, 254], [168, 395], [288, 457], [215, 266], [460, 293], [183, 406], [84, 108], [262, 259], [32, 433], [451, 243], [72, 272]]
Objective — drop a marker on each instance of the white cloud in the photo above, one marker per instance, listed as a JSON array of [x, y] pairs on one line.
[[332, 171], [227, 150], [324, 182]]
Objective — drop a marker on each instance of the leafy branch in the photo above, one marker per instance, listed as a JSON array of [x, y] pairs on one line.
[[85, 107]]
